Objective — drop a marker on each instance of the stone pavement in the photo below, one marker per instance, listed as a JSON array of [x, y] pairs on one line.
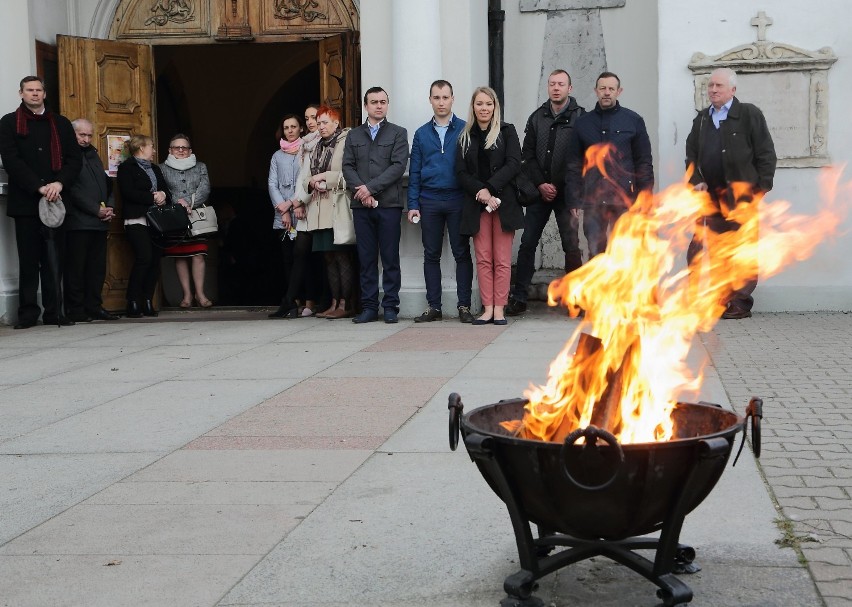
[[220, 458]]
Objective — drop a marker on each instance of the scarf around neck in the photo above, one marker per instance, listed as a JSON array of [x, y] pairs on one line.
[[181, 164], [149, 170], [24, 115], [291, 147], [321, 158]]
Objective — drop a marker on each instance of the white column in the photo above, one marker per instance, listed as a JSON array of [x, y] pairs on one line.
[[17, 48]]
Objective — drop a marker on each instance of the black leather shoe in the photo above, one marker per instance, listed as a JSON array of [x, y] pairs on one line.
[[148, 309], [80, 317], [281, 312], [515, 307], [501, 322], [102, 315], [366, 316], [62, 321], [465, 315], [735, 313], [430, 315], [25, 324], [478, 322], [133, 310], [391, 316]]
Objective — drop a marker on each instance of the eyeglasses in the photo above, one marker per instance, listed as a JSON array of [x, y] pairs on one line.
[[181, 148]]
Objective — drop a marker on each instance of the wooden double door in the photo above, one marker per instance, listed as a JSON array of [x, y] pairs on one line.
[[112, 84]]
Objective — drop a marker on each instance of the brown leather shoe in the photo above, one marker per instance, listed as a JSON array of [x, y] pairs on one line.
[[334, 314]]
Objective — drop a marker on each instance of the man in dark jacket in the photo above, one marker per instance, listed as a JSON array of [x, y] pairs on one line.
[[729, 143], [88, 211], [374, 160], [628, 166], [41, 155], [435, 199], [545, 154]]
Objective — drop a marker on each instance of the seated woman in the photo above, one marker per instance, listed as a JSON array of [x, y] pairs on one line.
[[142, 184], [324, 182], [189, 186], [487, 159]]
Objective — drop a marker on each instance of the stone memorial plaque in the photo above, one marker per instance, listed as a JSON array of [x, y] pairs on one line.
[[784, 98]]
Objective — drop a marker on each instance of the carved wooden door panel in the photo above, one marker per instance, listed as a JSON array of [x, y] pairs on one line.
[[340, 77], [111, 84]]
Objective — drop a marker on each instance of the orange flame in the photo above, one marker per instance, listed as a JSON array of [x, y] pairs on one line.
[[645, 307]]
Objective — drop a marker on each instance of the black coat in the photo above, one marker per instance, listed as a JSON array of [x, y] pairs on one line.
[[84, 196], [504, 162], [630, 166], [748, 153], [135, 188], [27, 160]]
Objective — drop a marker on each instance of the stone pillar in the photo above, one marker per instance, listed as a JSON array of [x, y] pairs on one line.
[[18, 52]]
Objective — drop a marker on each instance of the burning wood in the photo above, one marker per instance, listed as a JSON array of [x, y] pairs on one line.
[[644, 308]]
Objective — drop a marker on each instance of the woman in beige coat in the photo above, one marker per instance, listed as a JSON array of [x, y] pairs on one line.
[[327, 190]]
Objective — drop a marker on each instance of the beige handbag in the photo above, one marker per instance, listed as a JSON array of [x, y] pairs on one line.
[[341, 216], [202, 220]]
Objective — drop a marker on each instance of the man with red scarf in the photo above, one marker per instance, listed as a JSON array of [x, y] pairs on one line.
[[40, 152]]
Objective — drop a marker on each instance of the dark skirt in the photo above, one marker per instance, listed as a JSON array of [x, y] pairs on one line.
[[324, 241]]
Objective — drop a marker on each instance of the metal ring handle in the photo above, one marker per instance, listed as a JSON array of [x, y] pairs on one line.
[[456, 407], [591, 434], [755, 411]]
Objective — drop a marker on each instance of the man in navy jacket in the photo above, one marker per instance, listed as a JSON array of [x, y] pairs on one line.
[[374, 161], [435, 199], [629, 165]]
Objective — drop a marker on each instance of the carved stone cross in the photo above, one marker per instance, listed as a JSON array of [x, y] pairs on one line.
[[761, 22]]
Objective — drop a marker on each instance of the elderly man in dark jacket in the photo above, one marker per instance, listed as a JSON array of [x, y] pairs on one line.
[[729, 143], [374, 160], [628, 163], [41, 155], [89, 209]]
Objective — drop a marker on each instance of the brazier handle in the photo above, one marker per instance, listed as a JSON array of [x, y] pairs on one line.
[[591, 434], [456, 407], [754, 412]]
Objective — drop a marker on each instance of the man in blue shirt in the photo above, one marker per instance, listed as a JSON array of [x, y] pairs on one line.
[[435, 200]]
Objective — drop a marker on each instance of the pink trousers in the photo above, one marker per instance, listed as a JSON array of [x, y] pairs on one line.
[[493, 248]]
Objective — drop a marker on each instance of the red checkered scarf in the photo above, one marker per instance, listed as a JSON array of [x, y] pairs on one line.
[[23, 115]]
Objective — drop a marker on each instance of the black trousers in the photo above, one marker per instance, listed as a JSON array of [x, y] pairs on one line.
[[146, 264], [85, 270], [34, 242]]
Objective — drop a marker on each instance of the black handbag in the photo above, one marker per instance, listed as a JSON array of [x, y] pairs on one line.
[[169, 220], [525, 190]]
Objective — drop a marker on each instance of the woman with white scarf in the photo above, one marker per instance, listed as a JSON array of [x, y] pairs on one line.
[[189, 186]]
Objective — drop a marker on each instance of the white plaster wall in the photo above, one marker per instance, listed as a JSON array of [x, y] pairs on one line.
[[523, 46], [825, 280], [18, 51], [50, 18], [464, 51]]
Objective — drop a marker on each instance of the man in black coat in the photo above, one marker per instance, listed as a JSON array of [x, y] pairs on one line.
[[729, 143], [41, 155], [545, 154], [88, 211], [628, 163]]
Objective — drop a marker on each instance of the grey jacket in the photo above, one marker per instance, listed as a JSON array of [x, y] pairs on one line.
[[379, 164], [84, 195], [183, 184], [281, 183]]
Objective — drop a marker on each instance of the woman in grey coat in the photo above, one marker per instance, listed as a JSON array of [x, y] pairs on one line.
[[189, 186]]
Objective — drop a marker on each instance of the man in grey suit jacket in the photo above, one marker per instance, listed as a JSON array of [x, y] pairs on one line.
[[374, 161]]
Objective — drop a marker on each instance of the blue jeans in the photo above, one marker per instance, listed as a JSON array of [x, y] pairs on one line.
[[434, 215], [535, 219], [377, 234]]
